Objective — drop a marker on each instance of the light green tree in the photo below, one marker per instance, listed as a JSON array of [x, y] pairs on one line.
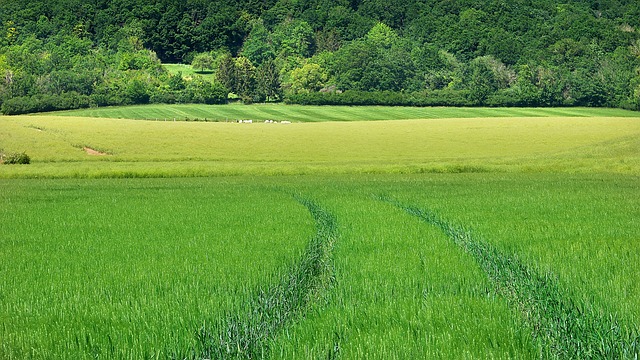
[[293, 38], [381, 35], [308, 78], [202, 61]]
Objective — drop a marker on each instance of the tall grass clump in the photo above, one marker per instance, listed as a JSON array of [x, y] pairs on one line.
[[247, 334], [14, 158]]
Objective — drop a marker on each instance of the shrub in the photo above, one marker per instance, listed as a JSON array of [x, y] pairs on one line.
[[201, 91], [387, 98], [505, 98], [39, 103], [15, 158]]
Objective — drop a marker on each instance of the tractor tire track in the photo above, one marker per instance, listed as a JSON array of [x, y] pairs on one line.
[[247, 335], [564, 328]]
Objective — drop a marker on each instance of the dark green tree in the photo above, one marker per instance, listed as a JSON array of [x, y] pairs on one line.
[[268, 82], [245, 77], [258, 47], [226, 73]]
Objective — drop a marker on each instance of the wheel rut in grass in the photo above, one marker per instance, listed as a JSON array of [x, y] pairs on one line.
[[565, 329], [247, 334]]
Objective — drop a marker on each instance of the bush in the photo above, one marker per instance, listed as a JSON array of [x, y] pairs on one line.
[[505, 98], [18, 105], [387, 98], [163, 97], [201, 91], [40, 103], [15, 158]]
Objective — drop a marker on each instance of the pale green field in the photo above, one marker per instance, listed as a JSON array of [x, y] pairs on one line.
[[152, 149], [299, 113]]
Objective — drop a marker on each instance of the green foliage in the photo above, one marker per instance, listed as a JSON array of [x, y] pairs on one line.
[[67, 73], [267, 82], [309, 78], [226, 72], [136, 92], [258, 47], [244, 83], [485, 76], [386, 98], [293, 38], [579, 54], [41, 103], [176, 81], [382, 36], [203, 61], [204, 92]]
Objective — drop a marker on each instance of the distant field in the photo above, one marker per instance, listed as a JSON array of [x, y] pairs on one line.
[[151, 149], [299, 113]]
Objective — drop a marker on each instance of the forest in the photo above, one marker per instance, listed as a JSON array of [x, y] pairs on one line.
[[66, 54]]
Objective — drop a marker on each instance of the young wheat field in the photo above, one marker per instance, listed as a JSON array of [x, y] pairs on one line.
[[499, 235]]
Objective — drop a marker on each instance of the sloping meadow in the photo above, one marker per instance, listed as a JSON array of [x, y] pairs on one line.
[[64, 147]]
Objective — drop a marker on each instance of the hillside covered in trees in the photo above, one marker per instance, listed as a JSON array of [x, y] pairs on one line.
[[61, 54]]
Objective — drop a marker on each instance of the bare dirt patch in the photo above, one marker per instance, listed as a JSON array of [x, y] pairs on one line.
[[94, 152]]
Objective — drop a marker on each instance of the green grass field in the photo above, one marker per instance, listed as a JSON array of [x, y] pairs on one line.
[[490, 236]]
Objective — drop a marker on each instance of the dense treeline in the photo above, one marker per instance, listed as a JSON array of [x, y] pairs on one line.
[[60, 54]]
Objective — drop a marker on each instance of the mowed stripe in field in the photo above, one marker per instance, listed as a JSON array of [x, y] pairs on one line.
[[307, 113]]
